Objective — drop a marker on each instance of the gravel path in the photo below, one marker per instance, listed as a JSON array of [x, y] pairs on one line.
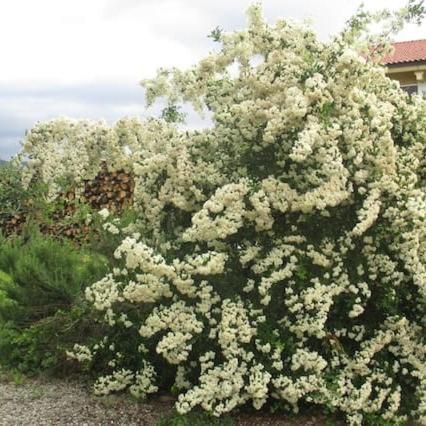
[[38, 403], [42, 402]]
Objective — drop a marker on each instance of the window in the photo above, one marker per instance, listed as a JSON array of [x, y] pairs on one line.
[[410, 89]]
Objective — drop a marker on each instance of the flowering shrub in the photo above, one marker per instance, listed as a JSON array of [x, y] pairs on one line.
[[279, 254], [64, 153]]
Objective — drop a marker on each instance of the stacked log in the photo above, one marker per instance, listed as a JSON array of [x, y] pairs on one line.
[[12, 223], [111, 190]]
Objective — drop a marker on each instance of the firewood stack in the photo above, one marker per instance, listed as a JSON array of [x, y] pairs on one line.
[[12, 223], [111, 190]]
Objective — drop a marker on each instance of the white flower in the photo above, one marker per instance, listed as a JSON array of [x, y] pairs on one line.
[[104, 213]]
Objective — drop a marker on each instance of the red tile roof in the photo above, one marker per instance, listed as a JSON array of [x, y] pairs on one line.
[[407, 51]]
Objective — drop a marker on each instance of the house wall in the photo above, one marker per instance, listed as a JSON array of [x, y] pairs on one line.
[[409, 74], [406, 77]]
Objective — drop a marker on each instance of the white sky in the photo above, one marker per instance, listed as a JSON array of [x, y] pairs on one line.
[[84, 58]]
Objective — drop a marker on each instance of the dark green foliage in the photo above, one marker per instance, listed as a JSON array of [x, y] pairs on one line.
[[194, 419], [42, 346], [375, 420], [216, 34], [173, 114], [43, 275], [42, 310]]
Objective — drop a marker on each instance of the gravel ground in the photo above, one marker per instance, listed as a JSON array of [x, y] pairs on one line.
[[40, 402]]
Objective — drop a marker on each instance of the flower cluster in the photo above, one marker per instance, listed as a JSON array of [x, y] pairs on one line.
[[281, 252]]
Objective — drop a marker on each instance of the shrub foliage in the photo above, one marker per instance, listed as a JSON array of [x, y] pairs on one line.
[[279, 254], [41, 305]]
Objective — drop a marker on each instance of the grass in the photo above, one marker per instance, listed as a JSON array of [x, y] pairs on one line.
[[197, 418]]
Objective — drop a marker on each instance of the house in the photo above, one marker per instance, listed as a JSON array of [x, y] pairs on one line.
[[408, 65]]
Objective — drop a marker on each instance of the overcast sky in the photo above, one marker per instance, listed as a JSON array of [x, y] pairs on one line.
[[84, 58]]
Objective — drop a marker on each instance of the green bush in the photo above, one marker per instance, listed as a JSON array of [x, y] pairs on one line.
[[194, 419], [41, 299], [42, 346], [42, 275]]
